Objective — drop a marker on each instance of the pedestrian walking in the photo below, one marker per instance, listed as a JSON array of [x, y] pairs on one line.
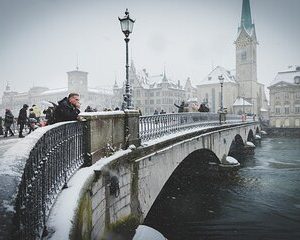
[[1, 128], [67, 109], [8, 121], [32, 120], [22, 119]]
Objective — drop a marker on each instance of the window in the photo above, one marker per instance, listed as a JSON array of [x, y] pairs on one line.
[[277, 110], [278, 123], [157, 101], [287, 95], [286, 110], [157, 94], [151, 101], [244, 55], [286, 123], [297, 80], [297, 108]]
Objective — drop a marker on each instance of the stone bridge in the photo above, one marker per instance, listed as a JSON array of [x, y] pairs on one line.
[[124, 189], [128, 158]]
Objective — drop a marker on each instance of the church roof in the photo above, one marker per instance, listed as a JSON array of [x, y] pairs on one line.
[[54, 91], [213, 76], [246, 19], [287, 76], [241, 102]]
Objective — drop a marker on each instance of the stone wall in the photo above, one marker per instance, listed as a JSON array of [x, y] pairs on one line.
[[110, 131]]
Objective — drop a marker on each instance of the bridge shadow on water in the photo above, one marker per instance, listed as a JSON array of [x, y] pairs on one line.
[[191, 198], [198, 201]]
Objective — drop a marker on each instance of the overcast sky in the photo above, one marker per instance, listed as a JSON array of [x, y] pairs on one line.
[[40, 39]]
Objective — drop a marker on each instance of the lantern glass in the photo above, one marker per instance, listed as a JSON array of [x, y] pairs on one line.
[[126, 24]]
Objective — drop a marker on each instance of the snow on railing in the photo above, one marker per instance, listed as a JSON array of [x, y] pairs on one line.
[[52, 161]]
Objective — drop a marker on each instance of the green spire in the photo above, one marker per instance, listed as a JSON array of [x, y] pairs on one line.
[[246, 20]]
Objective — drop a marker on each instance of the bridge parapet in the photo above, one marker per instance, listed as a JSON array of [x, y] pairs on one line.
[[110, 131]]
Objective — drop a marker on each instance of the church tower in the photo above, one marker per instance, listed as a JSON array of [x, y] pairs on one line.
[[78, 83], [246, 66]]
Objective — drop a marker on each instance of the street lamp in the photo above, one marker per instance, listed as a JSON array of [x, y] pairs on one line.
[[221, 79], [126, 27]]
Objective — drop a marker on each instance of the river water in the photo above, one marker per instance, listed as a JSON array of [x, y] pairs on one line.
[[262, 201]]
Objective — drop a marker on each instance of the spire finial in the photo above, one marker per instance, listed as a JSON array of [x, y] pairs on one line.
[[77, 67], [165, 75]]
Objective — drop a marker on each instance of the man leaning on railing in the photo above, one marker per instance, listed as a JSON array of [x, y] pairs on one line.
[[67, 109]]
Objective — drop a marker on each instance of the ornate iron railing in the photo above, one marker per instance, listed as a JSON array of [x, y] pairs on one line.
[[52, 161], [155, 126]]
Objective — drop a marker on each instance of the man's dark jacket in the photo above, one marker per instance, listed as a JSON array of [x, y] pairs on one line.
[[22, 118], [65, 111]]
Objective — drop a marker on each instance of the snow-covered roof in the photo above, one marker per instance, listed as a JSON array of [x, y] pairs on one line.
[[241, 102], [213, 76], [288, 75], [54, 91], [100, 91]]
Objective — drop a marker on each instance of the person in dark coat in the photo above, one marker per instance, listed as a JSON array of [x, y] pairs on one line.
[[89, 109], [22, 119], [180, 107], [203, 108], [8, 121], [49, 115], [67, 109], [1, 129]]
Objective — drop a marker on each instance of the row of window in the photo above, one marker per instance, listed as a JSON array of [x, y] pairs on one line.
[[286, 122], [157, 101], [138, 93], [287, 95], [286, 110]]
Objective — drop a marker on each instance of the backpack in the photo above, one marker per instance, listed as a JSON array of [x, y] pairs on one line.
[[50, 114]]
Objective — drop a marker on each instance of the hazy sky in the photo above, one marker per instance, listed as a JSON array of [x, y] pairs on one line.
[[40, 39]]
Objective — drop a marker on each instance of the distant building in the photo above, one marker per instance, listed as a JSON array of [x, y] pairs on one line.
[[77, 82], [244, 84], [209, 91], [285, 99], [150, 93]]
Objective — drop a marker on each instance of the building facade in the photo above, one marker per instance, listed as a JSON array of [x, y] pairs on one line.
[[285, 99], [77, 82], [150, 93], [244, 84]]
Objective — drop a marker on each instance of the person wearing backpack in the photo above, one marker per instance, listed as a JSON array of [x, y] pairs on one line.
[[67, 109], [8, 121]]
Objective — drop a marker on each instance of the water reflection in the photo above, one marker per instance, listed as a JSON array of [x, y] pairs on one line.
[[260, 202]]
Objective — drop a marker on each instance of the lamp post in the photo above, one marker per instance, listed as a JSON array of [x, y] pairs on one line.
[[221, 79], [126, 27], [221, 113]]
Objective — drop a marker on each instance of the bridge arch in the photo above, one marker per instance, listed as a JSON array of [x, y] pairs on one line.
[[250, 137]]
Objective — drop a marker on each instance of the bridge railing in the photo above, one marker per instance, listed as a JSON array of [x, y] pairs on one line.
[[155, 126], [54, 158]]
